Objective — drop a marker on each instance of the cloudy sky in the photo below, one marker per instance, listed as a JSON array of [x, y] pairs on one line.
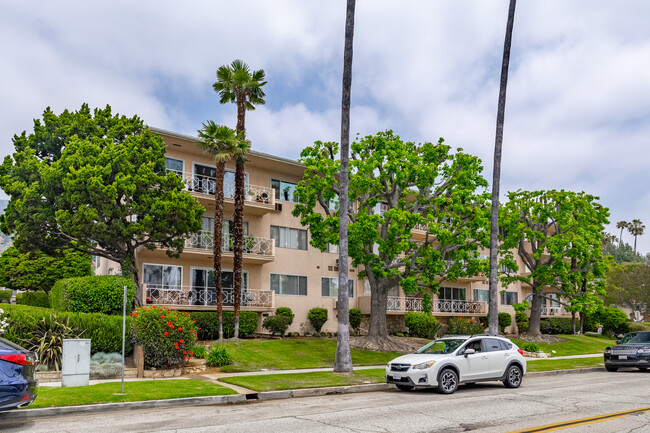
[[578, 108]]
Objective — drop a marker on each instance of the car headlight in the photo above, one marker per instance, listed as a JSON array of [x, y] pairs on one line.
[[644, 350], [608, 350], [424, 365]]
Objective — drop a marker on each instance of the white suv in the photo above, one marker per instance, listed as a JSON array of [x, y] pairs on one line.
[[456, 359]]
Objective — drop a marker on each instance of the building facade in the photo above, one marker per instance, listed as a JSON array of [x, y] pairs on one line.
[[280, 267]]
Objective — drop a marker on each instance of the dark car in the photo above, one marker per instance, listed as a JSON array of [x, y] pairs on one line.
[[633, 350], [17, 376]]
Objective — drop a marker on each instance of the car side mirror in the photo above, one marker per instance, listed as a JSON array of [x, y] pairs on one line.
[[469, 352]]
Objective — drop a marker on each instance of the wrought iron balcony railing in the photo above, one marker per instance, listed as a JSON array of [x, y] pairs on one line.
[[206, 185], [252, 244], [397, 303], [183, 295]]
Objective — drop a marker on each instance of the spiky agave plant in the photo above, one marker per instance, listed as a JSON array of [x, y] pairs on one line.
[[46, 339]]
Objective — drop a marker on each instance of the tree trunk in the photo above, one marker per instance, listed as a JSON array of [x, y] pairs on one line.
[[218, 242], [573, 321], [535, 313], [378, 328], [139, 298], [343, 359], [496, 176], [582, 322], [238, 219]]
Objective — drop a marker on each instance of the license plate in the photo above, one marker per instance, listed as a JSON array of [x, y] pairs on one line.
[[622, 356], [396, 377]]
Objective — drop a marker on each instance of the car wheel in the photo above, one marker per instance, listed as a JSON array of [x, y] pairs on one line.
[[404, 387], [612, 369], [513, 377], [447, 381]]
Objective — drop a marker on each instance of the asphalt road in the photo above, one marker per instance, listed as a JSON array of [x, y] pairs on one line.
[[482, 408]]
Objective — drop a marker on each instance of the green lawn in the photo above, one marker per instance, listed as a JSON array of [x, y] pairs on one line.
[[575, 345], [274, 382], [133, 391], [564, 364], [288, 354]]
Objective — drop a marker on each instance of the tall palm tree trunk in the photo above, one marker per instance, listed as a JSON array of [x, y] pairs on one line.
[[238, 217], [218, 242], [343, 360], [496, 175]]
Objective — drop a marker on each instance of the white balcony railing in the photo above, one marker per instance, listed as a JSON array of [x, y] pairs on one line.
[[206, 185], [183, 295], [396, 303], [252, 244]]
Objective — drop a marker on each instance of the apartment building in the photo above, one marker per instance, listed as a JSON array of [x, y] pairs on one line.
[[280, 267]]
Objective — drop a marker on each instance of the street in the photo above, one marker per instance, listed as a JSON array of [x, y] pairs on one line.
[[489, 407]]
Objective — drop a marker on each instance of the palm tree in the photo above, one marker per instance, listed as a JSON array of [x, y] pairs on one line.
[[343, 360], [496, 175], [622, 225], [220, 142], [636, 228], [236, 83]]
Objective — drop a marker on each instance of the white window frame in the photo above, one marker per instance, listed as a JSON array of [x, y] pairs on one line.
[[350, 280], [176, 159], [289, 275], [289, 230], [180, 288]]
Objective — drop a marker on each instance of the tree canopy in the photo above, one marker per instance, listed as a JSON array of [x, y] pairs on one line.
[[39, 271], [629, 285], [395, 187], [96, 183], [558, 237]]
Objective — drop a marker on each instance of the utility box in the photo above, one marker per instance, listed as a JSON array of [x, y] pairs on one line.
[[75, 366]]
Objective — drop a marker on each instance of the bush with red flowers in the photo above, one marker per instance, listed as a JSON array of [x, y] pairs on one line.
[[166, 336]]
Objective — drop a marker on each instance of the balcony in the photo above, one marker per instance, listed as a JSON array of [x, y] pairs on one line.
[[256, 249], [554, 311], [441, 307], [205, 298], [258, 200]]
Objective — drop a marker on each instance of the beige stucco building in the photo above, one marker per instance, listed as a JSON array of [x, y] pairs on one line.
[[280, 267]]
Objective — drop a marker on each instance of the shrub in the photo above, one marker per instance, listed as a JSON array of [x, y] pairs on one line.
[[3, 321], [559, 325], [199, 352], [218, 357], [207, 324], [286, 312], [530, 347], [276, 324], [355, 319], [33, 299], [522, 321], [505, 320], [94, 294], [105, 332], [317, 317], [521, 307], [638, 326], [422, 325], [105, 365], [464, 326], [484, 320], [166, 336], [46, 339], [5, 296], [613, 320]]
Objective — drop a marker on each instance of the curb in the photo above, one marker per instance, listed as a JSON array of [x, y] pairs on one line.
[[232, 399]]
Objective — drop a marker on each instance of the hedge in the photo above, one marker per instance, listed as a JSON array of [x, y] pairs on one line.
[[613, 320], [5, 296], [104, 331], [422, 325], [33, 299], [94, 294], [558, 325], [207, 323]]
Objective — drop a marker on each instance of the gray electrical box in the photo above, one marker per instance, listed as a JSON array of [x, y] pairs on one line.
[[75, 366]]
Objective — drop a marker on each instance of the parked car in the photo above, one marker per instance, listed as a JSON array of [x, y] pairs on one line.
[[633, 350], [18, 383], [457, 359]]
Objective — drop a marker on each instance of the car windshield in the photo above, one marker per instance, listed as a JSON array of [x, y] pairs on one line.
[[638, 337], [441, 346]]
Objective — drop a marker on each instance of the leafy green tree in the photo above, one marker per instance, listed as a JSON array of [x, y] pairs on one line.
[[96, 183], [622, 253], [636, 228], [496, 175], [629, 285], [220, 142], [39, 271], [396, 185], [557, 235], [237, 83]]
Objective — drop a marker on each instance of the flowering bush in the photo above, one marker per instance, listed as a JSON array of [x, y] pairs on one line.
[[3, 321], [166, 336], [464, 326]]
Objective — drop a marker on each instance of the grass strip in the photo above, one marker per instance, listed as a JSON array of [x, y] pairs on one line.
[[133, 391], [564, 364], [289, 354], [575, 345], [277, 382]]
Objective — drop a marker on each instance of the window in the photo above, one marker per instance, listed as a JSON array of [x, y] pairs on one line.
[[284, 190], [163, 276], [286, 237], [289, 284], [175, 165], [229, 183], [492, 344], [330, 287], [509, 298], [481, 295], [204, 178], [331, 248], [452, 293]]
